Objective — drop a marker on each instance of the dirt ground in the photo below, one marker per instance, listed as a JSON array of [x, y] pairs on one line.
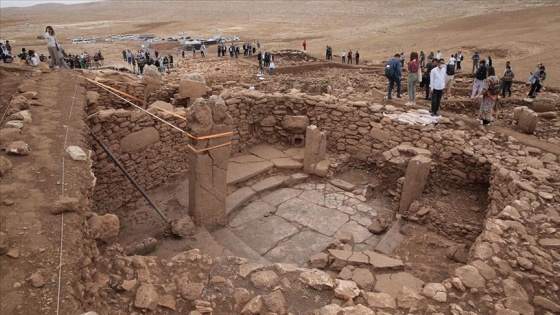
[[378, 29]]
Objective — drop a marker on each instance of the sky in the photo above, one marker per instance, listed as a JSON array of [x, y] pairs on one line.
[[28, 3]]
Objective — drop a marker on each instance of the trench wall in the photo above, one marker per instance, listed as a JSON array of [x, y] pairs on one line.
[[150, 151]]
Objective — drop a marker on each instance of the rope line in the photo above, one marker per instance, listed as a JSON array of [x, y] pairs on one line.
[[59, 267], [109, 89], [11, 99]]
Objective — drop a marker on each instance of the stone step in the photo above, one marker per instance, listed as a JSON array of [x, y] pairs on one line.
[[392, 239], [235, 245], [243, 167], [238, 198]]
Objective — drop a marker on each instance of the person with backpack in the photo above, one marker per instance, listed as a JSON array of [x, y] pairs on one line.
[[393, 72], [479, 78], [489, 107], [507, 81]]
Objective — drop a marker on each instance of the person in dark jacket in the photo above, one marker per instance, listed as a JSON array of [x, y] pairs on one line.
[[395, 63]]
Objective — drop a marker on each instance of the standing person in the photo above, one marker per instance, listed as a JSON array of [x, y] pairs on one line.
[[426, 77], [449, 75], [489, 61], [413, 66], [452, 60], [507, 81], [431, 57], [8, 47], [304, 45], [124, 54], [437, 84], [350, 56], [475, 61], [422, 59], [54, 50], [343, 56], [271, 68], [490, 93], [403, 58], [183, 53], [479, 78], [536, 78], [202, 50], [439, 55], [357, 57], [459, 59], [393, 72], [327, 53]]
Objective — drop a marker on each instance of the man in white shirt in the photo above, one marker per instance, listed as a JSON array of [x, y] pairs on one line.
[[439, 55], [437, 84], [271, 68]]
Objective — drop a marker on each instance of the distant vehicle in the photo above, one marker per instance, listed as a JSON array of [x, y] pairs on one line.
[[83, 41], [193, 44]]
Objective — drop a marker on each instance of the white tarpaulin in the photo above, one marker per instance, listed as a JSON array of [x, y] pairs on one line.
[[418, 116]]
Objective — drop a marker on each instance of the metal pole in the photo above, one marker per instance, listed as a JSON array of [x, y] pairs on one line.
[[121, 167]]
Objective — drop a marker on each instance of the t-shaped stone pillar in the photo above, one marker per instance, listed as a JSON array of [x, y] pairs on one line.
[[208, 164], [415, 180]]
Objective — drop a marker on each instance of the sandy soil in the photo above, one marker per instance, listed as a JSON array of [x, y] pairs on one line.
[[520, 31]]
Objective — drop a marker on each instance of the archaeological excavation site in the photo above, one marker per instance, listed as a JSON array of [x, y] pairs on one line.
[[214, 190]]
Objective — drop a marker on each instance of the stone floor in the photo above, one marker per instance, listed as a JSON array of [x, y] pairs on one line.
[[291, 224]]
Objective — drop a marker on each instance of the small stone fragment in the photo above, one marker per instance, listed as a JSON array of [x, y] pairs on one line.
[[36, 280], [146, 297]]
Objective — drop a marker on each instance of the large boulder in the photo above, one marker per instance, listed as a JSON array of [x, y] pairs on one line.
[[527, 121], [105, 227], [192, 86], [139, 139], [295, 124], [151, 75]]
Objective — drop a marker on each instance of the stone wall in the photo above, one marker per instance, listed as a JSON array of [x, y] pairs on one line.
[[129, 85], [150, 151]]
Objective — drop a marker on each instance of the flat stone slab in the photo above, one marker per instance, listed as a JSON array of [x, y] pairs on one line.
[[249, 158], [391, 240], [236, 246], [360, 233], [267, 152], [342, 184], [391, 283], [253, 211], [238, 172], [277, 197], [381, 262], [263, 234], [315, 196], [269, 183], [286, 163], [323, 220], [299, 248], [295, 153], [238, 198]]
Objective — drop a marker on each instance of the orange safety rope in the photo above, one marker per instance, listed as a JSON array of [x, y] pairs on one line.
[[166, 111], [116, 90]]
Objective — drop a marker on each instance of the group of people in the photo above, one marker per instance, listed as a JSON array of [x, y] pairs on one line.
[[266, 60], [437, 76], [349, 57], [233, 50], [6, 52]]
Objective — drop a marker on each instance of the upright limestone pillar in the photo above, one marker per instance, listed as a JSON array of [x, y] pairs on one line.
[[208, 162], [415, 180], [315, 148]]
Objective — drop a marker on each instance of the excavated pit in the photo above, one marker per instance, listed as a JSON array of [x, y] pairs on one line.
[[290, 218]]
